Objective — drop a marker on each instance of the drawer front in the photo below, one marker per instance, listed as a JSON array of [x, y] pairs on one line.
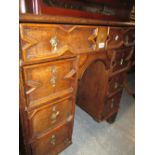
[[115, 38], [42, 41], [50, 116], [54, 142], [122, 58], [47, 81], [119, 37], [115, 83], [111, 105]]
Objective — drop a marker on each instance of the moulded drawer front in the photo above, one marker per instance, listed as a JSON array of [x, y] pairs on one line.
[[122, 58], [115, 83], [54, 142], [115, 38], [47, 81], [41, 41], [50, 116], [111, 104]]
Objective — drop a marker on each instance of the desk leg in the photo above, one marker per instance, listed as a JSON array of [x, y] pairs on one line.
[[112, 118]]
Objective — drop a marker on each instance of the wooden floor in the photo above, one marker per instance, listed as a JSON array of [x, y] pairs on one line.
[[92, 138]]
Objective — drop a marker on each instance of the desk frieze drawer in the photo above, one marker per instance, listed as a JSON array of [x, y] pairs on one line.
[[53, 142], [42, 41], [47, 81], [50, 116]]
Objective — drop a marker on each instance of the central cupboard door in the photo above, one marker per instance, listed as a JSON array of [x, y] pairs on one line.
[[92, 88]]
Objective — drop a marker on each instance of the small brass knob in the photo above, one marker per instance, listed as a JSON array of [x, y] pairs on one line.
[[54, 42]]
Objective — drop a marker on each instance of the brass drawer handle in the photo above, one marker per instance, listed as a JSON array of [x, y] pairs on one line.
[[121, 62], [54, 116], [112, 103], [54, 42], [116, 37], [53, 81], [53, 69], [53, 140], [116, 85]]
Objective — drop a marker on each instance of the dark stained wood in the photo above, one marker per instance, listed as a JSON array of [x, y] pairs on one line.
[[107, 10]]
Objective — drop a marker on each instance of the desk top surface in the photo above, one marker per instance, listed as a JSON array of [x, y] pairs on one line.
[[30, 18]]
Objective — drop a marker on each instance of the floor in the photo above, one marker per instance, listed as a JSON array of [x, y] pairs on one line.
[[92, 138]]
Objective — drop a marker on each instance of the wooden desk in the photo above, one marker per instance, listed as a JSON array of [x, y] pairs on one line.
[[68, 61]]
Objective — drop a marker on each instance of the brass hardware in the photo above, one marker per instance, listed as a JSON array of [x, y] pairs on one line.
[[53, 140], [112, 103], [54, 42], [121, 62], [54, 108], [116, 85], [67, 141], [112, 100], [126, 39], [25, 109], [53, 81], [54, 116], [53, 69], [69, 118], [116, 37]]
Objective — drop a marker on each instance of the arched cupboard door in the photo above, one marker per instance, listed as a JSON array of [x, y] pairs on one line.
[[91, 89]]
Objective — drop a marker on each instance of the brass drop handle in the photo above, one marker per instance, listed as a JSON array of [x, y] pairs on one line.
[[54, 42], [53, 70], [54, 116], [121, 62], [53, 140], [112, 103], [53, 81], [116, 85], [116, 37]]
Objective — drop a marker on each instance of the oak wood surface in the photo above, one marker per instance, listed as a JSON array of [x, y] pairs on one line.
[[90, 59], [28, 18]]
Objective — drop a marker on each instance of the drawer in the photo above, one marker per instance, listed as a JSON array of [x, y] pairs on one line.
[[42, 41], [115, 83], [120, 37], [122, 58], [111, 105], [54, 142], [115, 38], [50, 116], [47, 81]]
